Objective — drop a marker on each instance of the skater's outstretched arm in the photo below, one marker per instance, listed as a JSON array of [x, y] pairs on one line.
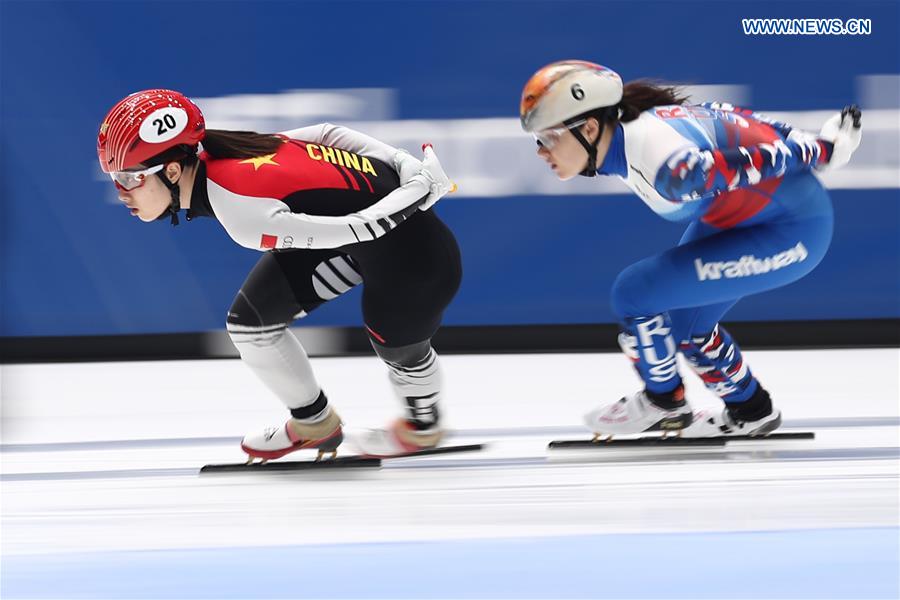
[[692, 173]]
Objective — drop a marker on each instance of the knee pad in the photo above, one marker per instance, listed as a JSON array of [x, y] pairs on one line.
[[256, 336], [248, 324], [245, 312], [404, 356]]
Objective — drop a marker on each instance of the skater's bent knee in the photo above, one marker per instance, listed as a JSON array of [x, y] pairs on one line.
[[261, 312], [408, 355], [258, 335], [631, 295]]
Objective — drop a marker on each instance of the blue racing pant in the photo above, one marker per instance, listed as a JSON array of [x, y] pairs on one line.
[[673, 301]]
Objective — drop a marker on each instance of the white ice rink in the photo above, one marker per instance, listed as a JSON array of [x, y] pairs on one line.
[[101, 496]]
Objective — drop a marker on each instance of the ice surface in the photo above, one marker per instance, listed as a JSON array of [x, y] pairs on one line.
[[101, 497]]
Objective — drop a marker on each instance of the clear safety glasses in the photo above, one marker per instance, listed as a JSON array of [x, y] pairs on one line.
[[550, 137], [130, 180]]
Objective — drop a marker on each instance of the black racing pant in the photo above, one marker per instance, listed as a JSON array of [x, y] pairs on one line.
[[409, 277]]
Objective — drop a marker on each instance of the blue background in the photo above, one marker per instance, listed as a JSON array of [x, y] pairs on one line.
[[72, 264]]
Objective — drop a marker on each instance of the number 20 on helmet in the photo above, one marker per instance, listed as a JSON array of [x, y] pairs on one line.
[[145, 124]]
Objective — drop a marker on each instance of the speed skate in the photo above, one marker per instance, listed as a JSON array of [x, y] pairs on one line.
[[335, 462], [601, 442], [708, 430], [330, 460]]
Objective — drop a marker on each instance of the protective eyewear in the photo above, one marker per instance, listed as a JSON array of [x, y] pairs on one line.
[[130, 180], [548, 138]]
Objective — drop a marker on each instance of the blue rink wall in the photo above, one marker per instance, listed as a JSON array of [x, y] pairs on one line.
[[73, 263]]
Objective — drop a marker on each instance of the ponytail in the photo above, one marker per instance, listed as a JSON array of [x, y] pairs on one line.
[[219, 143], [638, 96]]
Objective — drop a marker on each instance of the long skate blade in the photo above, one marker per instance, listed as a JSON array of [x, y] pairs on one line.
[[343, 462], [794, 435], [440, 450], [644, 442]]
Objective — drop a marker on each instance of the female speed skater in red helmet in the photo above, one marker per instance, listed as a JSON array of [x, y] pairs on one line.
[[757, 217], [329, 208]]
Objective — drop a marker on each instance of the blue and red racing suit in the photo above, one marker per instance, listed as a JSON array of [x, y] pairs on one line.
[[758, 219]]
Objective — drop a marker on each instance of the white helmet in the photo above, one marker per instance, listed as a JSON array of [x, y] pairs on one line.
[[566, 89]]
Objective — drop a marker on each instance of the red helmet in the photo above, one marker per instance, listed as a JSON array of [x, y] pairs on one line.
[[145, 124]]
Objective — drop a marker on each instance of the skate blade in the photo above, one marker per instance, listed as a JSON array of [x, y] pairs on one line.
[[768, 437], [643, 442], [432, 451], [343, 462], [673, 441]]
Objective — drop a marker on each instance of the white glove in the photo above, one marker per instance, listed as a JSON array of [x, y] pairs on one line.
[[439, 184], [406, 165], [844, 130]]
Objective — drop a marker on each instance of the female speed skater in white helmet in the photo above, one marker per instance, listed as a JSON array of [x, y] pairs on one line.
[[757, 217]]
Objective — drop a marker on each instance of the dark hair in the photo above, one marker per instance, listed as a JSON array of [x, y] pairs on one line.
[[638, 96], [219, 143]]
